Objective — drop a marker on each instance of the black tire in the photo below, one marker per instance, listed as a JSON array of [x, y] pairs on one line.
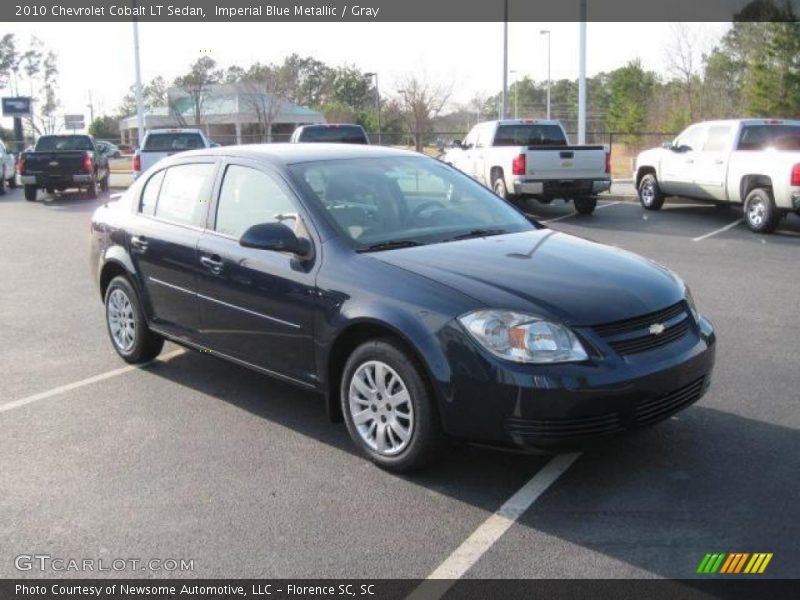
[[585, 206], [50, 190], [3, 183], [146, 344], [12, 182], [91, 189], [30, 193], [760, 212], [425, 435], [650, 195], [104, 182]]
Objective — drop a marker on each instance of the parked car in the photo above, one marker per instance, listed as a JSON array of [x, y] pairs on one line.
[[752, 162], [8, 168], [415, 300], [333, 133], [532, 158], [160, 143], [59, 162], [109, 149]]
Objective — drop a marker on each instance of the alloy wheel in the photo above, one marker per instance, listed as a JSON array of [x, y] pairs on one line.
[[121, 320]]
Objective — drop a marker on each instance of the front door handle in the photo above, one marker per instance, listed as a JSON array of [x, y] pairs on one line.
[[139, 244], [213, 263]]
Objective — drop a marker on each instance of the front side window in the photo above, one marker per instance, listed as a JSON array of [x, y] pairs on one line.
[[250, 197], [691, 139], [379, 200], [184, 193]]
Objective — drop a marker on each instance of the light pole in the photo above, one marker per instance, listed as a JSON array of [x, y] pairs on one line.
[[582, 75], [139, 105], [547, 33], [516, 90], [377, 102], [504, 107]]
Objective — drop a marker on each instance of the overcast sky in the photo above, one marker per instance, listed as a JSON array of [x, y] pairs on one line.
[[99, 56]]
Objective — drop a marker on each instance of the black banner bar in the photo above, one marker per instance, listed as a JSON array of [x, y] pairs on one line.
[[395, 10]]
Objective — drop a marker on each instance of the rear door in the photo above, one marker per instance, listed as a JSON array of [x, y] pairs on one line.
[[163, 239], [257, 306], [711, 166]]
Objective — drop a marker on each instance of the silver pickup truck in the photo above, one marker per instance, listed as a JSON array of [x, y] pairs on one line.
[[752, 162], [532, 158]]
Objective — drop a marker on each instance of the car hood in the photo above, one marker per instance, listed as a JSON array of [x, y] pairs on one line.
[[547, 272]]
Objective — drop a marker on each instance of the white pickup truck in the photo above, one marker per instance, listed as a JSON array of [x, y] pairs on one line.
[[752, 162], [531, 158], [160, 143]]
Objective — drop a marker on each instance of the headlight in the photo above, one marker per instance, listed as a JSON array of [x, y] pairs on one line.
[[690, 301], [523, 338]]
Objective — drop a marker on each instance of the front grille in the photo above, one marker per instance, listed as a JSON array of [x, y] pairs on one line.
[[633, 335], [565, 428], [654, 409]]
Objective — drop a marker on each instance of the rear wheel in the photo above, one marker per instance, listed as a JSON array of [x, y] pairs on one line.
[[585, 206], [104, 182], [760, 212], [650, 195], [12, 181], [50, 190], [30, 193], [388, 408], [91, 190], [131, 337], [3, 183]]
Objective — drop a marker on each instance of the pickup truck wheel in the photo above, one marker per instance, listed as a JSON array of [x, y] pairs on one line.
[[760, 212], [30, 193], [12, 182], [499, 187], [131, 337], [3, 183], [585, 206], [650, 195], [50, 190], [104, 182], [91, 191]]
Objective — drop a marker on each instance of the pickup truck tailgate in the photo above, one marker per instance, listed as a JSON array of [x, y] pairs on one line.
[[56, 165], [565, 162]]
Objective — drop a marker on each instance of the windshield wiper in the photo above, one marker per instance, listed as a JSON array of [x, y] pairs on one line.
[[475, 233], [391, 245]]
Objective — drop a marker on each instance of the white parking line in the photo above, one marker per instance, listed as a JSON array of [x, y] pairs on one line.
[[84, 382], [572, 214], [720, 230], [492, 529]]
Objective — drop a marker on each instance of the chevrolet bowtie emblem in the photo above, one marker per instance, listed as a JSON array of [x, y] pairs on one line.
[[657, 328]]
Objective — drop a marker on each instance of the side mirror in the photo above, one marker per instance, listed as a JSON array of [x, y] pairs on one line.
[[456, 144], [214, 145], [276, 237]]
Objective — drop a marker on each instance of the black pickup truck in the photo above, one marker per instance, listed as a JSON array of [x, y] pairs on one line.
[[59, 162]]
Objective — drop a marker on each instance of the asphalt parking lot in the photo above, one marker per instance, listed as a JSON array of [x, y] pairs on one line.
[[193, 458]]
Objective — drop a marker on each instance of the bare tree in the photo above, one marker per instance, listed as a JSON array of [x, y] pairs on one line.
[[197, 83], [421, 101], [684, 59], [263, 88]]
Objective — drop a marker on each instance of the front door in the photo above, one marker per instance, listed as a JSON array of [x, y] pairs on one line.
[[679, 165], [256, 306]]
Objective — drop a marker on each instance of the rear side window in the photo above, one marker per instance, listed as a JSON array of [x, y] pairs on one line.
[[172, 142], [717, 139], [344, 135], [184, 193], [780, 137], [150, 194], [250, 197], [530, 135]]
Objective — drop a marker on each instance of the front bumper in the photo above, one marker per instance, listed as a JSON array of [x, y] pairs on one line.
[[44, 180], [560, 188], [567, 405]]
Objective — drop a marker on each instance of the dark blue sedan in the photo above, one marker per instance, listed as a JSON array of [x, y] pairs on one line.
[[421, 305]]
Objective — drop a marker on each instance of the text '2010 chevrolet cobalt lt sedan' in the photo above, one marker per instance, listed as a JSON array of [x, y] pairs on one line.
[[419, 303]]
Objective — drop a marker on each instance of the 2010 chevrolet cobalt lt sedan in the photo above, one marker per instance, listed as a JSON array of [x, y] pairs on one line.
[[421, 305]]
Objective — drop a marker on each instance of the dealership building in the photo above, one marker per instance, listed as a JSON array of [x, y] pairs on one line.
[[229, 116]]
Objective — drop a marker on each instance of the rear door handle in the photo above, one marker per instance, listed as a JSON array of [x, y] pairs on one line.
[[139, 244], [719, 162], [213, 263]]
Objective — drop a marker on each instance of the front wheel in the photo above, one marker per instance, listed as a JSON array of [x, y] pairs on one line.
[[760, 212], [30, 193], [131, 337], [388, 408], [585, 206], [650, 195]]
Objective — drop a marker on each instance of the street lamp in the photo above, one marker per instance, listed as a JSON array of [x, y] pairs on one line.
[[140, 124], [547, 33], [516, 89], [377, 102]]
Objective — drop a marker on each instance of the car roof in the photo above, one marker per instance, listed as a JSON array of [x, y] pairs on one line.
[[286, 153], [329, 126]]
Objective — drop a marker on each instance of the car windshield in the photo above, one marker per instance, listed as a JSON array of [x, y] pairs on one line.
[[345, 135], [380, 203], [63, 143], [172, 142], [780, 137], [532, 134]]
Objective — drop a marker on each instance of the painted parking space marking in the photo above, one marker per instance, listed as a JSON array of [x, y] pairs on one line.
[[492, 529], [572, 214], [84, 382], [720, 230]]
